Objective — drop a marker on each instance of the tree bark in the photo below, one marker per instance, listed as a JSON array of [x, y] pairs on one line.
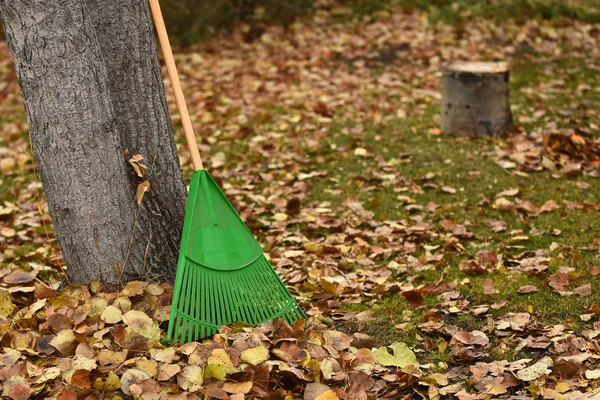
[[475, 99], [92, 88]]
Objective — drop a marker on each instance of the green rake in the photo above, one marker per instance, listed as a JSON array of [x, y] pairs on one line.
[[222, 273]]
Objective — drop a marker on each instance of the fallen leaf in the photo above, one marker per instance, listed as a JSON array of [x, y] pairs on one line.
[[112, 315], [132, 376], [219, 357], [488, 286], [413, 297], [142, 188], [167, 371], [237, 387], [527, 289], [583, 290], [402, 356], [255, 356], [533, 372], [65, 342], [191, 378], [475, 337]]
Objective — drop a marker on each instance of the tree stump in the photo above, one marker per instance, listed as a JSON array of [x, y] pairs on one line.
[[475, 99]]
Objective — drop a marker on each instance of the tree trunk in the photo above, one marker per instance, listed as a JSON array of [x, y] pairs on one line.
[[475, 99], [92, 87]]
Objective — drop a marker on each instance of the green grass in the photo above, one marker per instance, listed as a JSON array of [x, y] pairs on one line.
[[193, 21], [458, 12], [469, 167]]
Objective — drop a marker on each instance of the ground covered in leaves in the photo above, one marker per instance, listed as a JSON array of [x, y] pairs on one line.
[[429, 266]]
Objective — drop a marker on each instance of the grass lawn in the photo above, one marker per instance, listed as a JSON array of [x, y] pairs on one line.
[[432, 161]]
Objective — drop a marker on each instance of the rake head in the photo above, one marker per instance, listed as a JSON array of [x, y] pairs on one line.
[[222, 274]]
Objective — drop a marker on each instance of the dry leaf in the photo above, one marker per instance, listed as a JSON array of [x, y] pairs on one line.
[[142, 188]]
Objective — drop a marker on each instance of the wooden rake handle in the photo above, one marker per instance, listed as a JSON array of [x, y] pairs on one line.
[[161, 30]]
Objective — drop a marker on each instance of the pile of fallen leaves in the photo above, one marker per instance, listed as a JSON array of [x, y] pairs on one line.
[[87, 341], [566, 152]]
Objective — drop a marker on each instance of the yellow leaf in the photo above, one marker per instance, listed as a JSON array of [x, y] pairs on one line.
[[112, 315], [150, 366], [329, 286], [106, 357], [280, 217], [48, 374], [592, 373], [220, 357], [436, 378], [215, 371], [10, 357], [237, 387], [191, 378], [402, 357], [7, 165], [319, 391], [112, 382], [64, 342], [6, 305], [8, 232], [328, 395], [313, 247], [255, 356], [82, 362], [562, 387], [165, 355], [97, 306]]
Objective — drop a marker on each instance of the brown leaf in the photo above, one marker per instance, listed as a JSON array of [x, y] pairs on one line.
[[448, 224], [559, 281], [290, 352], [527, 289], [549, 206], [142, 188], [414, 297], [67, 394], [508, 193], [293, 206], [237, 387], [470, 338], [338, 340], [132, 376], [18, 390], [583, 290], [43, 292], [19, 277], [488, 286], [139, 168], [167, 371], [81, 378]]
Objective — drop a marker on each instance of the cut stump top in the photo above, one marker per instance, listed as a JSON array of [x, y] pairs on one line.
[[478, 67]]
